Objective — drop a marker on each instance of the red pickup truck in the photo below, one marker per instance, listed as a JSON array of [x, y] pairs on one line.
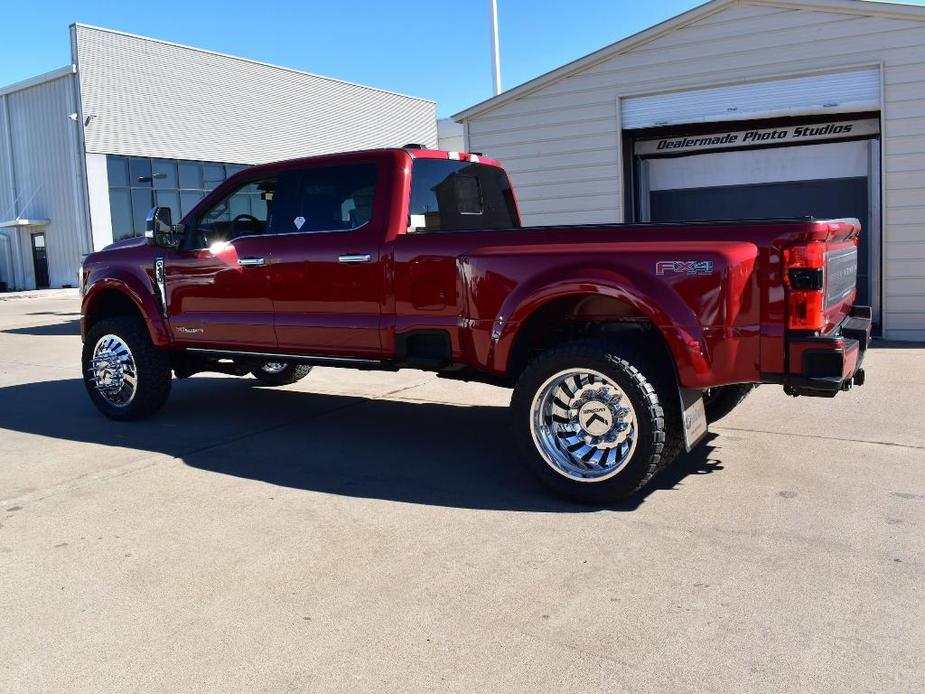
[[621, 341]]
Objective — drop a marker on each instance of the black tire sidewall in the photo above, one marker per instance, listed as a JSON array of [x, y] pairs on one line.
[[650, 446], [152, 368]]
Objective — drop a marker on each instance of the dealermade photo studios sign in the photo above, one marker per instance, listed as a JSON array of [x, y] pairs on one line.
[[791, 134]]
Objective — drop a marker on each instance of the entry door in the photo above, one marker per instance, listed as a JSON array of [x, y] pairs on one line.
[[326, 275], [824, 180], [40, 260]]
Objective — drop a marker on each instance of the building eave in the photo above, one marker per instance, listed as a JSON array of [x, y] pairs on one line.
[[38, 79], [885, 8], [15, 223], [879, 8]]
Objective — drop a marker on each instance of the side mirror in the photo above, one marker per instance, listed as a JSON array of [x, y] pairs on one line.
[[159, 228]]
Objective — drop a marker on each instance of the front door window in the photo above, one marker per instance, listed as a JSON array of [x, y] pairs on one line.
[[245, 212]]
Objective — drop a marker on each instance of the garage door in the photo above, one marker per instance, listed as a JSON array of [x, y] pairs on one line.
[[837, 92], [823, 180]]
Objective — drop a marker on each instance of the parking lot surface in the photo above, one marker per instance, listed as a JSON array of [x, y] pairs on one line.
[[373, 532]]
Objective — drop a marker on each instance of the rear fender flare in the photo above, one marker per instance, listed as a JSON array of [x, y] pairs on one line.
[[655, 300]]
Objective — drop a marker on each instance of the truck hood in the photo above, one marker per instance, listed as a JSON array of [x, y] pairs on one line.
[[132, 251], [126, 243]]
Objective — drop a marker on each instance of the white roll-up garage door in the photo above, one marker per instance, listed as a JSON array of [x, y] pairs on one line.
[[839, 92], [771, 165]]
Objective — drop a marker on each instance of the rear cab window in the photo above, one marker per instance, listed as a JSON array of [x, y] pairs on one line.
[[450, 195]]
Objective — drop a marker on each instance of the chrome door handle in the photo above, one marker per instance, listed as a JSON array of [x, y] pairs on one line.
[[251, 261], [356, 258]]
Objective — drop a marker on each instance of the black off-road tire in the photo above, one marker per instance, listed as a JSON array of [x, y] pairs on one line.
[[718, 402], [151, 364], [291, 374], [657, 438]]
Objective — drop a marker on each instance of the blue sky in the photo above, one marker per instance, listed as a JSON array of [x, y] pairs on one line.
[[436, 49]]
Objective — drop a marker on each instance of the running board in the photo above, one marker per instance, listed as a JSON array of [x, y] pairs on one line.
[[312, 359]]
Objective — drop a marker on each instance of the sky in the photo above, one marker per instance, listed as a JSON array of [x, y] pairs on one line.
[[436, 49]]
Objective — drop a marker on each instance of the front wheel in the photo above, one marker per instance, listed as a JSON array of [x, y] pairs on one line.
[[274, 373], [590, 424], [126, 376]]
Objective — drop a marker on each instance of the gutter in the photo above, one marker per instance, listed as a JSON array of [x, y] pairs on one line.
[[18, 222]]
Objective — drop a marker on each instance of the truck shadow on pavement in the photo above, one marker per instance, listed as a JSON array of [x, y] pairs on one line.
[[424, 453], [69, 327]]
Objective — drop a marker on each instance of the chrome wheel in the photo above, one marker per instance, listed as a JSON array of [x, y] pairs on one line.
[[112, 371], [274, 367], [584, 425]]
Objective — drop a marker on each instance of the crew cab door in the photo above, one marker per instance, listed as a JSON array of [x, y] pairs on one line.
[[217, 282], [326, 277]]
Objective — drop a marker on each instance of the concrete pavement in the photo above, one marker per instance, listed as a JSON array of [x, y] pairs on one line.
[[370, 532]]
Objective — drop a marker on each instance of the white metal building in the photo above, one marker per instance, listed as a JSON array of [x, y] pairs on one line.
[[450, 135], [738, 108], [86, 150]]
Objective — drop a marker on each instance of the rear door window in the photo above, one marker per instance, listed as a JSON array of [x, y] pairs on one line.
[[449, 195], [326, 198]]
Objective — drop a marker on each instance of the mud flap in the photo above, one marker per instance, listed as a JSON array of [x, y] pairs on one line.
[[693, 416]]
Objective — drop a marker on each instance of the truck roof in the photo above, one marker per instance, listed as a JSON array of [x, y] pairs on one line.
[[414, 151], [474, 157]]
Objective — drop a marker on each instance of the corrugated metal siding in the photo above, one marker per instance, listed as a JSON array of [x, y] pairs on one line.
[[565, 133], [450, 135], [43, 142], [6, 163], [8, 237], [150, 98]]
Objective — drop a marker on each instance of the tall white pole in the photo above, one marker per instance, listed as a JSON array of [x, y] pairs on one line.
[[495, 56]]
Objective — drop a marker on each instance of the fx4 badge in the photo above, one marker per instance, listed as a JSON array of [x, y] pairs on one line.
[[684, 267]]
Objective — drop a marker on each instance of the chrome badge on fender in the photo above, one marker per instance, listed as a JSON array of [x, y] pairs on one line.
[[160, 280], [684, 267]]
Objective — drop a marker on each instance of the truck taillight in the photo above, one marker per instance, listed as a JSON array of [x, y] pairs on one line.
[[804, 277]]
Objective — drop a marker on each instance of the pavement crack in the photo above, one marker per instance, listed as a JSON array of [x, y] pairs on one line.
[[824, 438]]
